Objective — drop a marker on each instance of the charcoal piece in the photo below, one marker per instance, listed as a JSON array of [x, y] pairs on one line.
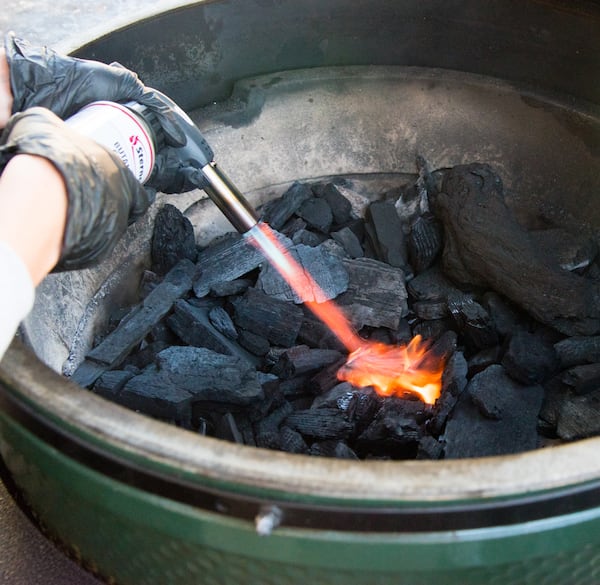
[[269, 440], [208, 375], [324, 268], [230, 257], [349, 241], [341, 208], [363, 407], [173, 239], [222, 322], [505, 318], [425, 242], [278, 211], [483, 359], [152, 395], [325, 379], [390, 434], [579, 418], [291, 441], [277, 321], [376, 294], [386, 234], [433, 329], [145, 355], [307, 238], [111, 383], [445, 345], [245, 429], [231, 287], [332, 448], [570, 251], [529, 359], [255, 344], [515, 407], [583, 379], [339, 396], [343, 451], [301, 359], [274, 419], [316, 213], [162, 332], [431, 285], [430, 310], [149, 281], [555, 395], [133, 328], [294, 388], [320, 423], [314, 333], [429, 448], [192, 325], [473, 322], [226, 428], [454, 381], [295, 224], [578, 350], [485, 246]]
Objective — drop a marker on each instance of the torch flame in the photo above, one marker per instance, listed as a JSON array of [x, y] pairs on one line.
[[391, 370], [395, 370]]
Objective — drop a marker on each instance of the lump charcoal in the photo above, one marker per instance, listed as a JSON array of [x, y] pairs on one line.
[[273, 420], [278, 211], [431, 310], [111, 383], [314, 333], [339, 396], [555, 394], [454, 381], [325, 379], [145, 355], [529, 358], [505, 318], [231, 287], [255, 344], [579, 418], [570, 251], [173, 239], [269, 440], [295, 224], [226, 428], [332, 448], [431, 285], [133, 328], [433, 329], [192, 325], [301, 359], [325, 269], [485, 246], [209, 376], [583, 379], [148, 282], [230, 257], [349, 241], [320, 423], [278, 321], [425, 242], [578, 350], [222, 322], [245, 428], [483, 359], [316, 213], [294, 388], [387, 234], [341, 208], [429, 449], [376, 294], [363, 407], [473, 322], [307, 238], [390, 434], [515, 409], [291, 441]]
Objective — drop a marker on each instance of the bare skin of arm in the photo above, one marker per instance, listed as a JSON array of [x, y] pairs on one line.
[[33, 201]]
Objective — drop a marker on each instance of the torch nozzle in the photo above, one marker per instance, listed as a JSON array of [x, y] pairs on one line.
[[228, 199]]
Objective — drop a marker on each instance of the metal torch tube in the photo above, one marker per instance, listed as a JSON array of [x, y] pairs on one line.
[[229, 199]]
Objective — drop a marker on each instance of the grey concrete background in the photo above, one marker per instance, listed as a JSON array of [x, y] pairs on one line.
[[26, 556]]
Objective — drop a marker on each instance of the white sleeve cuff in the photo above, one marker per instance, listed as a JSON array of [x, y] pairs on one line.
[[17, 294]]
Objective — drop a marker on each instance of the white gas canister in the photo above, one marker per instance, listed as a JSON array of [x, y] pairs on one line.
[[121, 129]]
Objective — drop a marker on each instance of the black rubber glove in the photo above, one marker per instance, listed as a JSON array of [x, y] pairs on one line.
[[41, 77], [104, 196]]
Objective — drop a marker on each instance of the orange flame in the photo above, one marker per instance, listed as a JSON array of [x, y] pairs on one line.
[[391, 370]]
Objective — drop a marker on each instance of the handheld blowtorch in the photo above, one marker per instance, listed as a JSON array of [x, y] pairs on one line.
[[129, 131]]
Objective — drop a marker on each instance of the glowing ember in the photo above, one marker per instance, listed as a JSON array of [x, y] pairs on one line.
[[395, 370], [391, 370]]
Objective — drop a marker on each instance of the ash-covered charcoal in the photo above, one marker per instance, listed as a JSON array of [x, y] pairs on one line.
[[173, 239], [320, 423], [494, 416], [376, 294], [278, 211], [327, 270], [578, 350], [485, 246], [301, 359], [341, 208], [277, 321], [579, 418], [473, 322], [349, 241], [138, 323], [386, 234], [529, 358], [425, 242], [228, 258]]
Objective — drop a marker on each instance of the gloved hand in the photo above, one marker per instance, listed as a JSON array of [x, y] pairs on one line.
[[104, 196], [42, 77]]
